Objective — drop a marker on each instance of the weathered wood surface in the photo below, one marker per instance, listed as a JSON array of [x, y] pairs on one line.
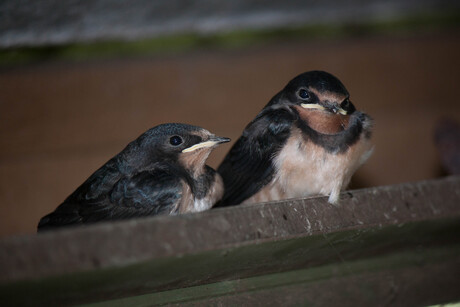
[[45, 22], [399, 242]]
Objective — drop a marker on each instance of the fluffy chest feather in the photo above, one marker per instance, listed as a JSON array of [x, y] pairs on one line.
[[194, 203], [304, 168]]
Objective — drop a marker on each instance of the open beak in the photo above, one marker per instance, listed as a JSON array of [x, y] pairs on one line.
[[320, 107], [213, 141]]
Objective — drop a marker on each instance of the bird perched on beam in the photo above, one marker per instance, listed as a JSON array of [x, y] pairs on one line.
[[308, 140], [161, 172]]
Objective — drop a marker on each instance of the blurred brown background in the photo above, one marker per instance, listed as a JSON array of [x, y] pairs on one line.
[[60, 120]]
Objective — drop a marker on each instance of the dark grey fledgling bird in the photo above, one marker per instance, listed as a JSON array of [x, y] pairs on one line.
[[308, 140], [161, 172]]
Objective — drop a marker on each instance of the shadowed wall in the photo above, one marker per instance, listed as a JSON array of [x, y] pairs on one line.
[[60, 121]]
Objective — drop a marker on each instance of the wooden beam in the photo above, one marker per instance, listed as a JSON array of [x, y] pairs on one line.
[[396, 242], [39, 23]]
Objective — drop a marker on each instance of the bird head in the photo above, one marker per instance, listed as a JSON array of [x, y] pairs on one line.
[[321, 101], [181, 144], [319, 91], [197, 148]]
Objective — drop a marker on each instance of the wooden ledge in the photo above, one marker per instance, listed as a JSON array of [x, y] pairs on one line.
[[230, 255]]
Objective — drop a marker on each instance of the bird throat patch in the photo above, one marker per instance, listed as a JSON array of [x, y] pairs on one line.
[[323, 121]]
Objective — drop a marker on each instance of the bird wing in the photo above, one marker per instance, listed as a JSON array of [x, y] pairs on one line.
[[144, 194], [248, 166]]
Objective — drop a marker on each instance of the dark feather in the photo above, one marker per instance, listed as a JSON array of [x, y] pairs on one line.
[[146, 193], [248, 166]]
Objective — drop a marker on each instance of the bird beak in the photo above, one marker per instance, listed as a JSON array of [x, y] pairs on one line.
[[312, 106], [213, 141], [320, 107], [339, 110]]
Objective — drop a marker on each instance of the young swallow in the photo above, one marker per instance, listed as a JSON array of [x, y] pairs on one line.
[[161, 172], [308, 140]]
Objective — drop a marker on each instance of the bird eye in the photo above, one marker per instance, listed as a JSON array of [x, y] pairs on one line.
[[348, 106], [175, 140], [304, 94]]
